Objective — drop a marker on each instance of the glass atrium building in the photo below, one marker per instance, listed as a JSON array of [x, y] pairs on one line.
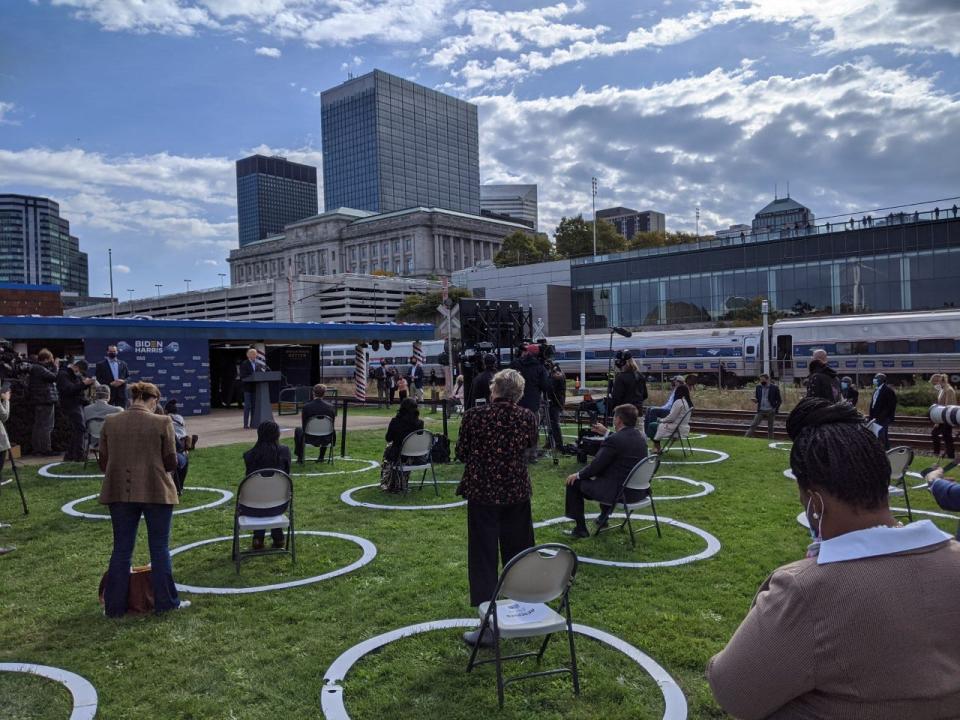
[[390, 144], [273, 192]]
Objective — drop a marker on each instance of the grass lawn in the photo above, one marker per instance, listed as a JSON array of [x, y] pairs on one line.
[[264, 655]]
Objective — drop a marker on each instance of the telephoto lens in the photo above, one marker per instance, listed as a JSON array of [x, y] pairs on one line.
[[945, 415]]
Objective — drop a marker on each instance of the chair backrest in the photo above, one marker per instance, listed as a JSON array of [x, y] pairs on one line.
[[319, 426], [95, 427], [538, 574], [417, 444], [900, 459], [642, 473], [265, 489]]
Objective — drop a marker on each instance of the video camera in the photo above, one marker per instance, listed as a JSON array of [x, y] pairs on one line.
[[13, 368], [472, 356], [546, 354], [621, 358]]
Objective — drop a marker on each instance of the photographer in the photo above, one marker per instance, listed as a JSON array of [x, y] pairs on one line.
[[42, 392], [480, 387], [535, 378], [629, 385], [4, 442], [946, 395], [556, 399], [72, 382]]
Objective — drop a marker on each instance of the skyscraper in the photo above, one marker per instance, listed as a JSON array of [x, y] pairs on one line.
[[629, 222], [36, 246], [390, 144], [516, 202], [273, 192]]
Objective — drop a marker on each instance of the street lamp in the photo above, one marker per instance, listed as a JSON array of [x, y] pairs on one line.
[[158, 286], [187, 281], [222, 276], [130, 294], [593, 182], [765, 338], [226, 307]]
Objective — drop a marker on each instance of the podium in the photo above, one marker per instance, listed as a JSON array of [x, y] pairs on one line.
[[259, 384]]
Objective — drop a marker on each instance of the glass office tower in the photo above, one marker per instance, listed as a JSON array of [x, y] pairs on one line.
[[273, 192], [390, 144], [36, 246]]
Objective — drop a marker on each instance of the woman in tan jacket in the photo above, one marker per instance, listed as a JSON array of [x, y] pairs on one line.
[[946, 395], [865, 627], [137, 455]]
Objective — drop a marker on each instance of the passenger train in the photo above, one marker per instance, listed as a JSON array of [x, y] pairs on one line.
[[900, 345]]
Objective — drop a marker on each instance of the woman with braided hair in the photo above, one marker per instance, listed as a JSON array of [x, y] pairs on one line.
[[866, 625]]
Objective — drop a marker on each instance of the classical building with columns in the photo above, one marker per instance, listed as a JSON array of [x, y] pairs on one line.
[[413, 243]]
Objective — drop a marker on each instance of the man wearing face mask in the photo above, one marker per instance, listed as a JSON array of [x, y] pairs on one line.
[[768, 400], [848, 391], [823, 382], [883, 407], [113, 372]]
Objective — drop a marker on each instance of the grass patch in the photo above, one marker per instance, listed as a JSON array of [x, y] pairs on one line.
[[252, 656]]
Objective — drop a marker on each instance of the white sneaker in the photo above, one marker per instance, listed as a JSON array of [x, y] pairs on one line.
[[184, 604]]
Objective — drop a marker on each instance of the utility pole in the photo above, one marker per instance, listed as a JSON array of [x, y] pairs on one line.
[[593, 182], [698, 221], [226, 310], [130, 295], [187, 281], [158, 286], [113, 305]]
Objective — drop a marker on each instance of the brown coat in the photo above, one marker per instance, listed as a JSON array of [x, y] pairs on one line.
[[138, 453], [868, 639]]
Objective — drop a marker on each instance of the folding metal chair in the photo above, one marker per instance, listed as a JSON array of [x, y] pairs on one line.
[[91, 439], [415, 447], [319, 433], [536, 576], [900, 460], [640, 478], [677, 436], [261, 490]]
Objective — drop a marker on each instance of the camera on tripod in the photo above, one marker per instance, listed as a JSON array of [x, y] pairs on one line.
[[621, 358], [472, 356], [546, 353]]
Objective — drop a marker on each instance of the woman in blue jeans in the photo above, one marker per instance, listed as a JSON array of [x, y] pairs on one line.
[[267, 454], [137, 455]]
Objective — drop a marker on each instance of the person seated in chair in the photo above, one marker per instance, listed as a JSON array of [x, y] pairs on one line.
[[100, 408], [406, 421], [183, 442], [602, 479], [267, 454], [318, 407], [676, 418]]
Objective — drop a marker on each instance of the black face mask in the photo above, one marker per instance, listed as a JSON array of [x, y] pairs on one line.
[[112, 355]]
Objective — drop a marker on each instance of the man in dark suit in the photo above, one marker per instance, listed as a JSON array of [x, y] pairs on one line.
[[318, 407], [602, 479], [113, 372], [416, 380], [883, 407], [768, 400], [253, 364]]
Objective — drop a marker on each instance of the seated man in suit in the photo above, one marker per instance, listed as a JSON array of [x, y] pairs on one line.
[[318, 407], [602, 479]]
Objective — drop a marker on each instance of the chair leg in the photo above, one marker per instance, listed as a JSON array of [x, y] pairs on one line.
[[906, 498], [499, 663], [633, 542], [656, 520], [436, 486], [573, 652], [476, 646], [543, 647]]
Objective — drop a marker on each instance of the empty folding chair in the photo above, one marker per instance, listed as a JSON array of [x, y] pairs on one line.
[[91, 439], [264, 502], [900, 460], [319, 433], [680, 434], [640, 478], [518, 609], [416, 454]]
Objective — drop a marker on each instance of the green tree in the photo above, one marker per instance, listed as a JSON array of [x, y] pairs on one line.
[[574, 238], [423, 307], [520, 248], [663, 239]]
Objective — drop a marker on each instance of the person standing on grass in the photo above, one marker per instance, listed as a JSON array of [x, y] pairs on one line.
[[883, 407], [848, 390], [416, 379], [113, 372], [865, 625], [72, 383], [138, 453], [493, 442], [43, 394], [822, 382], [768, 400], [4, 447], [946, 395]]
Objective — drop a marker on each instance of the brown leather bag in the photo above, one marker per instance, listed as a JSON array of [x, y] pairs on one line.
[[140, 595]]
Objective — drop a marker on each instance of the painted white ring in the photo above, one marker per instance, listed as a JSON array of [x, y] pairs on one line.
[[706, 488], [779, 445], [788, 474], [83, 693], [332, 701], [70, 507], [6, 482], [720, 457], [803, 520], [347, 497], [713, 545], [369, 553], [45, 472], [691, 436], [371, 465]]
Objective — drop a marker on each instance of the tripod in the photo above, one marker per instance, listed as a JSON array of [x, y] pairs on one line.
[[16, 476]]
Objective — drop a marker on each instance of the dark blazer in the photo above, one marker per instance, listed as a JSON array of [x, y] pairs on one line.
[[773, 396], [602, 479], [884, 407], [416, 375], [947, 495], [851, 395], [42, 388], [629, 387], [480, 388], [318, 407], [536, 382], [118, 395], [246, 370], [255, 459], [70, 388]]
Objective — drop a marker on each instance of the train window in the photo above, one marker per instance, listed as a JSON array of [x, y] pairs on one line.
[[656, 352], [751, 349], [893, 347], [602, 354], [936, 345], [852, 348], [685, 352]]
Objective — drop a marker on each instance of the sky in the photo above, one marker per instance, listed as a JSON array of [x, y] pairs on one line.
[[131, 113]]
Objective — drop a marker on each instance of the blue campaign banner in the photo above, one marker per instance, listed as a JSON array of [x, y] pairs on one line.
[[180, 368]]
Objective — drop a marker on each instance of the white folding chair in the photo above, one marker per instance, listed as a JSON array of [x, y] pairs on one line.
[[319, 432], [535, 577], [415, 448], [678, 436], [900, 460], [640, 478], [91, 439], [261, 490]]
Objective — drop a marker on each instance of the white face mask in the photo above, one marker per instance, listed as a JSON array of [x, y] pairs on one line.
[[938, 387]]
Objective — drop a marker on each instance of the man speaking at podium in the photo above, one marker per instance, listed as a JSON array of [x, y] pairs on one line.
[[253, 364]]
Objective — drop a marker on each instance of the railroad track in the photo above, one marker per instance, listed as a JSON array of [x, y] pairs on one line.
[[901, 421]]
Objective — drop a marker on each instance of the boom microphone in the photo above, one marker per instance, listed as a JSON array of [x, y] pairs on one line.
[[623, 332]]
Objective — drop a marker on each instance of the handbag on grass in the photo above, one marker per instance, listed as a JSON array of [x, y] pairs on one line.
[[140, 595]]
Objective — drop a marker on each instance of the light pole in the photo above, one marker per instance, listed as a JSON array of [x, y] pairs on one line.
[[765, 344], [593, 183], [187, 281], [113, 305], [130, 295], [583, 353], [226, 307], [158, 286]]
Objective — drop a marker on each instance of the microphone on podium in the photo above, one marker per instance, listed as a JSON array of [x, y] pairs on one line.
[[623, 332]]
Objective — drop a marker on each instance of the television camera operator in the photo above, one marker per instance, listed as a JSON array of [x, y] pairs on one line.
[[480, 387], [556, 399], [629, 385], [530, 365]]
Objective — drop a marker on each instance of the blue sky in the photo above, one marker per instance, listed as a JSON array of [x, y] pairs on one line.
[[130, 114]]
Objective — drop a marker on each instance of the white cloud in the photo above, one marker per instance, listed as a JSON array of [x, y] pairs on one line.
[[5, 109], [210, 262], [122, 269], [354, 62], [162, 16], [269, 52]]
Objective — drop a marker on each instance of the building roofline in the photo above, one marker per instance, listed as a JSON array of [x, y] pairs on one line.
[[438, 211]]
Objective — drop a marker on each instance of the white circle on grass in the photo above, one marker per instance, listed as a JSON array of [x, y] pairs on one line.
[[713, 545], [46, 471], [368, 465], [347, 497], [369, 553], [6, 482], [788, 474], [805, 521], [332, 700], [720, 457], [781, 445], [71, 507], [705, 488], [83, 693]]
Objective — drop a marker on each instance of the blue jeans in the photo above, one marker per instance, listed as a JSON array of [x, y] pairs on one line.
[[126, 519], [249, 399]]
